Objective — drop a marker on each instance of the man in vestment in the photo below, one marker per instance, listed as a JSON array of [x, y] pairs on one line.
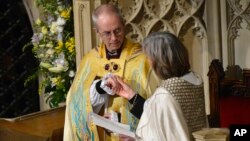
[[116, 55]]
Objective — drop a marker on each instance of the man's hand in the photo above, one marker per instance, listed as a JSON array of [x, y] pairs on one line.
[[109, 84]]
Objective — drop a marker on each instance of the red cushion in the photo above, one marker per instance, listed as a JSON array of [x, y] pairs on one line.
[[234, 110]]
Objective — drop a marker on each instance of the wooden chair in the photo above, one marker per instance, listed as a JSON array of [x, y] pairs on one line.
[[229, 95]]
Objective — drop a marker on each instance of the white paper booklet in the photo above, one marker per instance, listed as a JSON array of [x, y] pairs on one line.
[[113, 126]]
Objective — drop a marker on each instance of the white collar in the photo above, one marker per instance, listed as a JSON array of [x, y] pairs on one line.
[[192, 78]]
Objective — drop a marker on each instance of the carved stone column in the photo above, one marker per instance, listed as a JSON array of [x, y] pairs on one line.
[[236, 31], [83, 29]]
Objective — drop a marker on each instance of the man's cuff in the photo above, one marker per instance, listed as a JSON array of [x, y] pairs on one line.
[[98, 87]]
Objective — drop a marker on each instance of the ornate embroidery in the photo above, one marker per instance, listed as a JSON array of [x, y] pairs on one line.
[[191, 99], [112, 67]]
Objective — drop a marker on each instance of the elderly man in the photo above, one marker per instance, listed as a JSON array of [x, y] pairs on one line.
[[115, 55]]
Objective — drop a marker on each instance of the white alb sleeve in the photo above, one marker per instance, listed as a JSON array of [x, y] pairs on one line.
[[97, 100]]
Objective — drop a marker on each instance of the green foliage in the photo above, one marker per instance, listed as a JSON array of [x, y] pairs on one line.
[[31, 78], [49, 6]]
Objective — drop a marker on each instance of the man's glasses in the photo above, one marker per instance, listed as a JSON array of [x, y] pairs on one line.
[[107, 34]]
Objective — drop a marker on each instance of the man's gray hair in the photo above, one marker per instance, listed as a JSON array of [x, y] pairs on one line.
[[108, 9]]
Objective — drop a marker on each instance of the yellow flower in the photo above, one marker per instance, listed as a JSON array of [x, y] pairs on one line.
[[71, 49], [38, 21], [53, 28], [59, 47], [55, 80], [70, 45], [66, 13], [44, 30]]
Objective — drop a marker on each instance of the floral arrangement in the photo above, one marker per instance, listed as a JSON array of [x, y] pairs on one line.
[[54, 47]]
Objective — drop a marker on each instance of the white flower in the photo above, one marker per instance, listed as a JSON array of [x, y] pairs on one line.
[[50, 19], [36, 38], [71, 73], [60, 8], [51, 93], [59, 61], [60, 21], [61, 64], [50, 45], [50, 52], [59, 29], [59, 36], [56, 12]]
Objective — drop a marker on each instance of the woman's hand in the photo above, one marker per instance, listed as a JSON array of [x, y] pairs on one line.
[[124, 90], [119, 87]]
